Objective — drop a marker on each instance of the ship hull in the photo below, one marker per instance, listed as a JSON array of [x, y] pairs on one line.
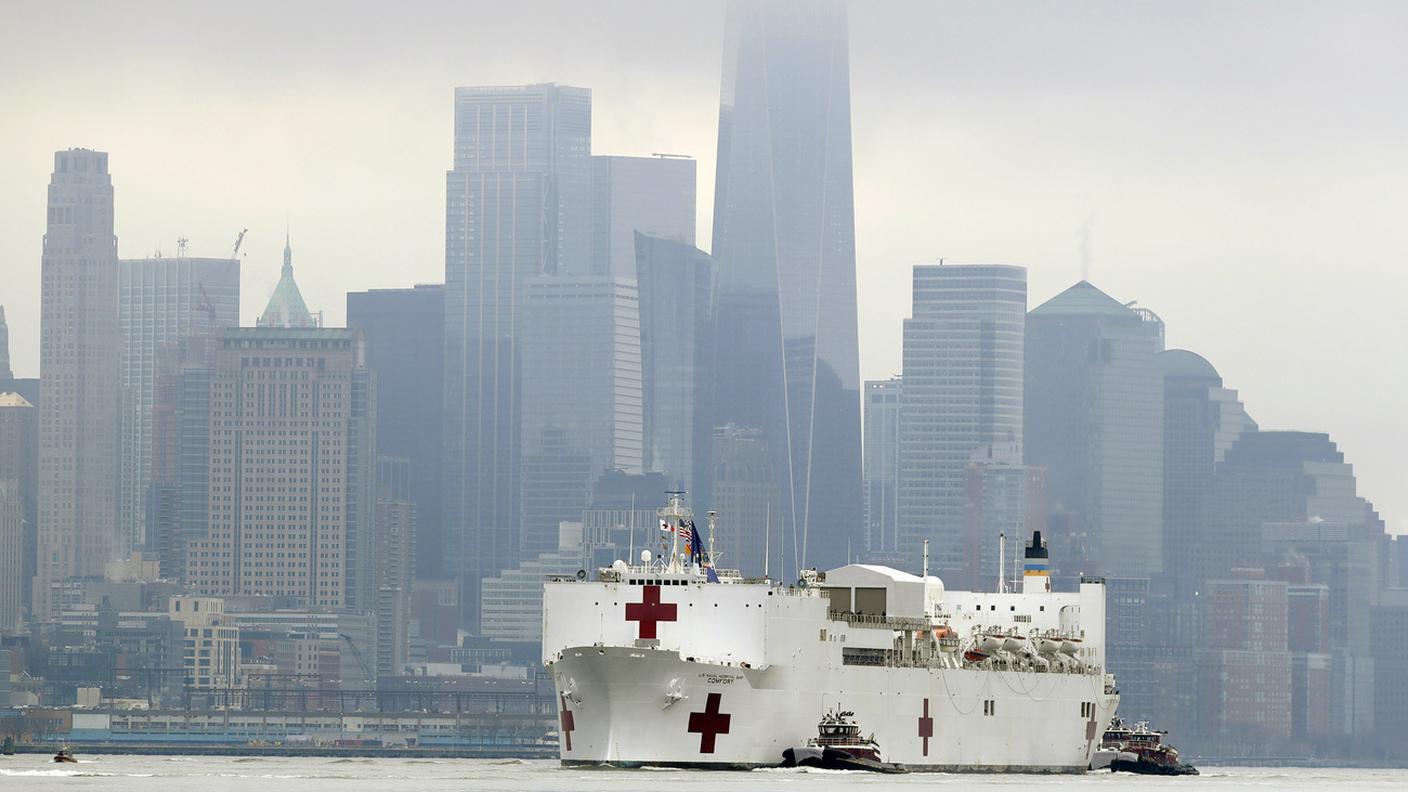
[[630, 707]]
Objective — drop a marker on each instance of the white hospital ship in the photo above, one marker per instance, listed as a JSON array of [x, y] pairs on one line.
[[673, 663]]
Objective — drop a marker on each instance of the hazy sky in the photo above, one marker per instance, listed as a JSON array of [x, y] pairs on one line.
[[1240, 168]]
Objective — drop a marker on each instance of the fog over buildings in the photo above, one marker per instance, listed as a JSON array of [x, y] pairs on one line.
[[1188, 137]]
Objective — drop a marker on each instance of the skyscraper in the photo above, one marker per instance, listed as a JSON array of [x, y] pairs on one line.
[[1095, 420], [677, 284], [881, 466], [291, 444], [649, 195], [963, 373], [581, 397], [79, 357], [1202, 420], [292, 451], [5, 373], [518, 206], [161, 301], [19, 465], [11, 553], [784, 238], [404, 330]]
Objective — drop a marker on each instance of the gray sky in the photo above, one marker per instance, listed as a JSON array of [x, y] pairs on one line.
[[1241, 167]]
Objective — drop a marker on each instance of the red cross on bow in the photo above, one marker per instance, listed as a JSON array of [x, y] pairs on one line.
[[650, 610], [926, 727], [568, 722], [710, 723]]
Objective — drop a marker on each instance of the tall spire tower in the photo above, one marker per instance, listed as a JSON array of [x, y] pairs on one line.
[[5, 374], [784, 240], [286, 307]]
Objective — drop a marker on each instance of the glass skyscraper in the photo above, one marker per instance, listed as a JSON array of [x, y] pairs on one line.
[[1094, 409], [518, 205], [963, 351], [784, 240]]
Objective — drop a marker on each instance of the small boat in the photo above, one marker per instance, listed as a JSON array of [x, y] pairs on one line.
[[65, 755], [839, 746], [1138, 749]]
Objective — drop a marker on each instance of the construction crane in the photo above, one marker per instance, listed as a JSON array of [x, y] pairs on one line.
[[234, 254], [366, 672], [205, 304]]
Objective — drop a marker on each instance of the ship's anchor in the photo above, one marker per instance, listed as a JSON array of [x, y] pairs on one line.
[[673, 694]]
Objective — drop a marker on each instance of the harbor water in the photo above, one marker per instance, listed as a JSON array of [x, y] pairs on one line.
[[36, 772]]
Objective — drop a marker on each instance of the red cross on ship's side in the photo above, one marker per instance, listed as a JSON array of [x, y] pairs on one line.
[[710, 723], [650, 611]]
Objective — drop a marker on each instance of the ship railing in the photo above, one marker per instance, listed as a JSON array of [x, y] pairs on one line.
[[879, 622]]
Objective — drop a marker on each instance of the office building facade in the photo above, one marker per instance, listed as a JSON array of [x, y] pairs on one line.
[[161, 302], [80, 354], [647, 195], [404, 330], [677, 285], [291, 487], [880, 466], [581, 397], [518, 206], [963, 353], [1094, 419], [1202, 420]]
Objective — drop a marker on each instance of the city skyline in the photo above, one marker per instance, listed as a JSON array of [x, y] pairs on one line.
[[1182, 185], [1065, 311]]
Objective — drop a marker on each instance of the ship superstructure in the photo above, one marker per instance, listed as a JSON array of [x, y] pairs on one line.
[[672, 662]]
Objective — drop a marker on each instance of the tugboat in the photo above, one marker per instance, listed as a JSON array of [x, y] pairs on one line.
[[65, 756], [1138, 749], [839, 746]]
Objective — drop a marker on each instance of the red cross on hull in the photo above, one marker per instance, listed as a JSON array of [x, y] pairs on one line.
[[926, 727], [650, 611], [710, 723], [569, 724]]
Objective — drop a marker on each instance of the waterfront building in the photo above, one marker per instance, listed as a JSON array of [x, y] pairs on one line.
[[1388, 621], [79, 358], [1244, 668], [677, 283], [963, 348], [784, 237], [880, 467], [1094, 419], [161, 302], [518, 206], [212, 643], [647, 195], [404, 330]]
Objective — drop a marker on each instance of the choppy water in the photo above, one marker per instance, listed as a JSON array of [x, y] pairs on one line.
[[32, 773]]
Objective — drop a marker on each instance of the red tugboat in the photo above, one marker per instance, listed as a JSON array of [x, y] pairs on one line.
[[839, 746], [1138, 749]]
